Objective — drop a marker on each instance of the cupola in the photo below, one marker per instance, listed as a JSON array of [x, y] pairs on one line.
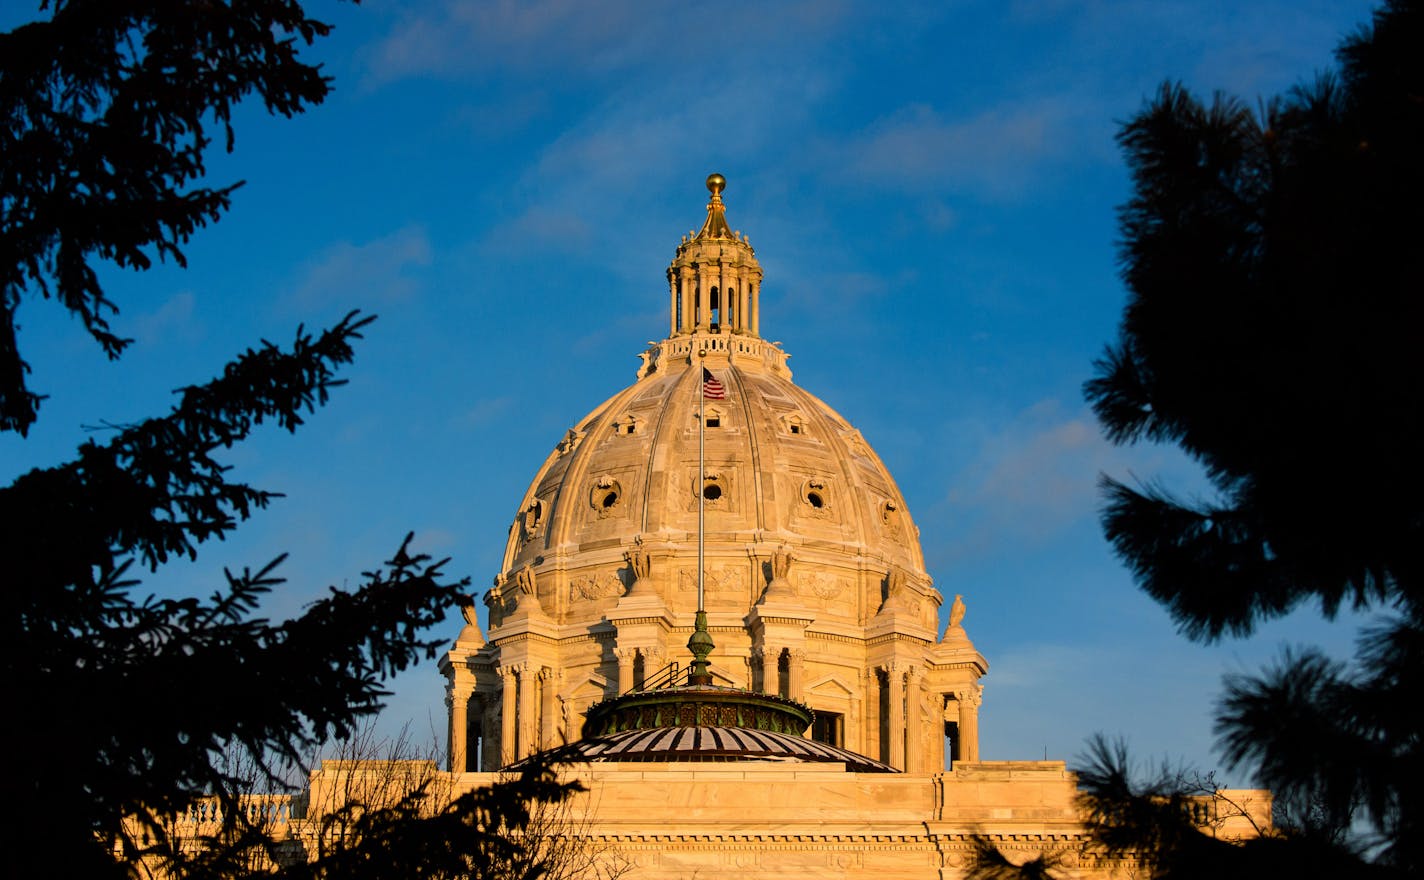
[[714, 281]]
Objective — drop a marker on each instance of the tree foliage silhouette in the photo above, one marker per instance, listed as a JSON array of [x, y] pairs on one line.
[[105, 112], [124, 710], [1274, 331]]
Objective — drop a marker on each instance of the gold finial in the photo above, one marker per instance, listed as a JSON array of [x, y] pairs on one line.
[[715, 184]]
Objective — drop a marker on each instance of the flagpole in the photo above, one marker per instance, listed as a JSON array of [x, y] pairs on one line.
[[701, 473], [700, 644]]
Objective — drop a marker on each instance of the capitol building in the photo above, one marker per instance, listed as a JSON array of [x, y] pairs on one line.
[[714, 598]]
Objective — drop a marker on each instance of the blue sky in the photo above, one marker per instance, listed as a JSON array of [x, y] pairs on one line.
[[931, 189]]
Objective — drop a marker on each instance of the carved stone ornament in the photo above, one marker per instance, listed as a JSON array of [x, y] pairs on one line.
[[890, 518], [715, 580], [531, 520], [820, 585], [571, 441], [598, 585]]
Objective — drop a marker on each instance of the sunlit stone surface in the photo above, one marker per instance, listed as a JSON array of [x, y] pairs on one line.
[[816, 593]]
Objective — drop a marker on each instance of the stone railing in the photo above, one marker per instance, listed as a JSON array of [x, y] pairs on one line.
[[264, 810]]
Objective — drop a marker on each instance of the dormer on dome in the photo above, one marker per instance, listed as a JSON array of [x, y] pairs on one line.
[[715, 280]]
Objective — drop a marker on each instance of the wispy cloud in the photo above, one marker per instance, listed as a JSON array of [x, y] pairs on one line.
[[172, 319], [482, 412], [1036, 477], [996, 153], [380, 271], [458, 38]]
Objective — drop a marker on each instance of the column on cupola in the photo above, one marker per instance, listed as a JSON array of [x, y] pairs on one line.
[[689, 292], [722, 317], [673, 282], [741, 305]]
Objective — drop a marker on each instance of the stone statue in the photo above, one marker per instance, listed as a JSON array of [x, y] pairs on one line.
[[779, 587], [641, 564], [894, 583], [781, 563], [524, 580], [956, 611], [899, 595]]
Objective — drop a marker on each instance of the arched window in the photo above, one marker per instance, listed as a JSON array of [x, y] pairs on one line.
[[714, 308]]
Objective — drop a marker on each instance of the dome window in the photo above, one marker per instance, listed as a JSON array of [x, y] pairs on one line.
[[605, 495], [794, 423], [714, 490], [814, 495]]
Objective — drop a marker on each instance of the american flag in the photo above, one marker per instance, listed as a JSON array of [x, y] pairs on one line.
[[711, 388]]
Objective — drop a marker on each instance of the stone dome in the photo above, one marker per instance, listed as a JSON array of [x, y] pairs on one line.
[[781, 468], [715, 482]]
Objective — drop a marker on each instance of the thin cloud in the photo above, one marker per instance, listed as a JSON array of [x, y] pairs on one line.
[[1037, 476], [172, 319], [384, 270], [996, 154], [484, 412], [507, 38]]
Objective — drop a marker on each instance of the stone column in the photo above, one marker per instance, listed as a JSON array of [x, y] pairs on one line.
[[548, 710], [700, 315], [770, 670], [570, 733], [755, 310], [721, 295], [854, 729], [626, 658], [458, 700], [896, 729], [945, 716], [525, 729], [509, 687], [870, 727], [969, 700], [914, 726], [689, 292], [795, 668], [654, 659], [672, 305], [742, 321]]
